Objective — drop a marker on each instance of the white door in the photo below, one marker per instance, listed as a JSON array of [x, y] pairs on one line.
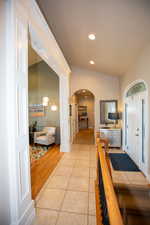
[[135, 128]]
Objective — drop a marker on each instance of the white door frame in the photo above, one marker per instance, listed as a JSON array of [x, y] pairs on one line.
[[145, 166], [22, 16]]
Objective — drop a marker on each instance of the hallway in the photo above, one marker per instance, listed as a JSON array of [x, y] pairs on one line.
[[68, 197], [85, 137]]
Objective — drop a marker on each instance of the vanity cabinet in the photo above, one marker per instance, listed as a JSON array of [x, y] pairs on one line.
[[113, 135]]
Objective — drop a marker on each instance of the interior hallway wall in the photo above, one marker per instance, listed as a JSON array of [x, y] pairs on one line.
[[140, 70], [5, 127], [103, 86], [44, 82]]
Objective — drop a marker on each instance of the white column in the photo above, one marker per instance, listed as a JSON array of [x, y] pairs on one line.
[[64, 113], [21, 203]]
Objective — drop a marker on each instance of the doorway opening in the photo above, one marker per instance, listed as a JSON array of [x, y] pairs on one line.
[[135, 123], [82, 117], [44, 120]]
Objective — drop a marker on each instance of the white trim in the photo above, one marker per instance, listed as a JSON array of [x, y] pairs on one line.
[[27, 13], [28, 216], [146, 119]]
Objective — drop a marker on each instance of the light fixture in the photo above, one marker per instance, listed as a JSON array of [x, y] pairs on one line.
[[54, 107], [92, 62], [84, 91], [91, 36], [45, 101]]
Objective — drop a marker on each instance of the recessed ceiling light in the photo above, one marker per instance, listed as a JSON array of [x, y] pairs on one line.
[[92, 62], [91, 36]]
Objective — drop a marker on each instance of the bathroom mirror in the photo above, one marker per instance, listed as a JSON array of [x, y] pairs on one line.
[[107, 106]]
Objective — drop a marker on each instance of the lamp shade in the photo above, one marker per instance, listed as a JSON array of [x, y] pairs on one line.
[[54, 107], [113, 116]]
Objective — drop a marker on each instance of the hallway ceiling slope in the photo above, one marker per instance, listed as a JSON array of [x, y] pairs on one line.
[[121, 29]]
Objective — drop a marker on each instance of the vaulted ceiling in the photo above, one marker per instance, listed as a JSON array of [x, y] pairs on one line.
[[122, 29]]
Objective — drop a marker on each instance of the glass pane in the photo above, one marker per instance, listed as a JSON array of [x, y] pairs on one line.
[[143, 130], [126, 126], [136, 88]]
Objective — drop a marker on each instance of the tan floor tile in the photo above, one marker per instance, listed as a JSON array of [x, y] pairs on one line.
[[67, 162], [78, 184], [45, 217], [71, 155], [76, 202], [120, 177], [136, 178], [92, 172], [51, 199], [93, 163], [83, 157], [71, 219], [92, 204], [80, 172], [63, 171], [92, 220], [93, 157], [92, 185], [82, 163], [58, 182], [81, 147]]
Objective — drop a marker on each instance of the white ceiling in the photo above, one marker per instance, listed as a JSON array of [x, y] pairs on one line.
[[122, 29]]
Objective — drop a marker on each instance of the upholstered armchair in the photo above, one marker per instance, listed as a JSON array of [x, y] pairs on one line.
[[46, 136]]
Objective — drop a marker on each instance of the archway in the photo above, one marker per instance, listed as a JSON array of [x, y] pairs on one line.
[[82, 118]]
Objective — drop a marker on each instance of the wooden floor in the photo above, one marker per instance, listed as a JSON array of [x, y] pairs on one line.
[[85, 137], [42, 168]]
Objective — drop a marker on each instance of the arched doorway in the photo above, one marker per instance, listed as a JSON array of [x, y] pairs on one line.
[[82, 120], [136, 123]]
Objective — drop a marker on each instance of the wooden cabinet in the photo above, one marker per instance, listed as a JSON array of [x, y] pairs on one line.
[[113, 135]]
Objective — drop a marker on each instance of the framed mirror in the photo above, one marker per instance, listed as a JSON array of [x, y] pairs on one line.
[[107, 107]]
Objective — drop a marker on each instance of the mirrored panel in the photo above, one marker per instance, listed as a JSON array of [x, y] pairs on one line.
[[107, 108]]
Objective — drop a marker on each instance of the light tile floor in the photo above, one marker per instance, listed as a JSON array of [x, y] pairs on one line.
[[68, 197]]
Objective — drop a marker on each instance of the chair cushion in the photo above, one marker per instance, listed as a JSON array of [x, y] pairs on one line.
[[50, 130], [42, 137]]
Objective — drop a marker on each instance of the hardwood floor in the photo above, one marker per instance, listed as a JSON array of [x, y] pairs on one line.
[[85, 137], [42, 168]]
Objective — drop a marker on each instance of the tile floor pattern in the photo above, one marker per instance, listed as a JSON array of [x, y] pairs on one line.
[[69, 195]]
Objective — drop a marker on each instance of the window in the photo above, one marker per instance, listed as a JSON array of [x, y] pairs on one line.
[[139, 87]]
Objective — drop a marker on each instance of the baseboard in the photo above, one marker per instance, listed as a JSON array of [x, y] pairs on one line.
[[148, 177], [28, 216]]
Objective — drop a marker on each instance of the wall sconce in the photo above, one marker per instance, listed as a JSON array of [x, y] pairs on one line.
[[54, 107], [45, 101]]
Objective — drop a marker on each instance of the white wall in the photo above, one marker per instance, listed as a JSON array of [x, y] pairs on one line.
[[104, 87], [140, 70], [4, 157]]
